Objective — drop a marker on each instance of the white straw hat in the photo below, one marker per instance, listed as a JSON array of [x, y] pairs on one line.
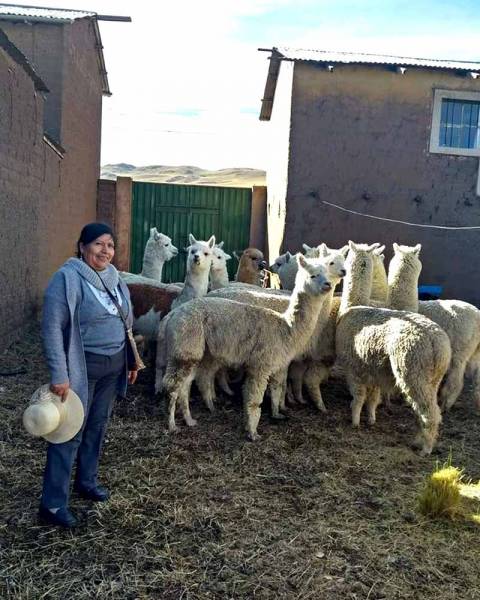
[[47, 416]]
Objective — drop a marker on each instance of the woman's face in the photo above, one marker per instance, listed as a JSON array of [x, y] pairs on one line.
[[99, 253]]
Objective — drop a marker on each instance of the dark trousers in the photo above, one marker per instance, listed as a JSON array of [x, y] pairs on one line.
[[104, 373]]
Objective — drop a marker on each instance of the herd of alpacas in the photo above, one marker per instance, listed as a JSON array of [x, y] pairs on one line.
[[383, 340]]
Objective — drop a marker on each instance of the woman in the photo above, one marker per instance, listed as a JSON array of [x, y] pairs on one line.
[[85, 347]]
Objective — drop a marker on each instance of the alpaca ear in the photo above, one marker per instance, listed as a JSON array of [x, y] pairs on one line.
[[322, 249], [352, 245], [153, 231], [301, 260], [288, 256], [306, 247], [191, 239], [396, 247], [236, 255], [379, 251], [220, 245], [344, 250], [417, 249], [211, 241], [372, 247], [227, 256]]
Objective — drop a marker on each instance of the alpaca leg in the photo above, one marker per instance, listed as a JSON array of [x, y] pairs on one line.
[[222, 379], [359, 394], [296, 372], [314, 376], [177, 382], [374, 399], [205, 380], [422, 398], [277, 386], [184, 398], [253, 391], [452, 385], [474, 371]]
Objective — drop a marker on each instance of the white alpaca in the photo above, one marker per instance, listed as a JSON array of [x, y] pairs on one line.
[[379, 293], [285, 266], [218, 270], [334, 262], [381, 348], [460, 320], [199, 261], [232, 334], [315, 366], [158, 250]]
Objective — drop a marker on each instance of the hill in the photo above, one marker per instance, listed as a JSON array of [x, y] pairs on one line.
[[233, 177]]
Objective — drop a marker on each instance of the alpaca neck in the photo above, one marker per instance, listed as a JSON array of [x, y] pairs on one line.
[[196, 282], [218, 279], [152, 268], [403, 287], [357, 287], [379, 282], [302, 314]]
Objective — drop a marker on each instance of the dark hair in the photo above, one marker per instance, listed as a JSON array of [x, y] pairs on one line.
[[91, 232]]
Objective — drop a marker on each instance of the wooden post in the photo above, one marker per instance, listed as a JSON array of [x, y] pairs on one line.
[[123, 222], [258, 218]]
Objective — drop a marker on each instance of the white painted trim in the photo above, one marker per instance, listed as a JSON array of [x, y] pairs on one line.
[[478, 179], [439, 95]]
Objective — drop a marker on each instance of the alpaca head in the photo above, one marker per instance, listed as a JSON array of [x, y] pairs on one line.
[[219, 258], [312, 251], [282, 261], [359, 262], [312, 275], [199, 258], [406, 258], [160, 246], [252, 260], [334, 261]]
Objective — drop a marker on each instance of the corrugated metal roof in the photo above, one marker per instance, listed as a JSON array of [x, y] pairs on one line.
[[375, 59], [51, 14], [335, 58], [39, 14]]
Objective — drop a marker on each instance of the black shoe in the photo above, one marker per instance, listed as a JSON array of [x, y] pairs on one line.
[[61, 518], [95, 494]]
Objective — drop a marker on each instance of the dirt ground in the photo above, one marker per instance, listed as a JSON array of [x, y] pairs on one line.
[[313, 510]]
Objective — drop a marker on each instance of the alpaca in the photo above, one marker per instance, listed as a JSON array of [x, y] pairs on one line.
[[158, 250], [381, 349], [379, 294], [232, 334], [320, 356], [218, 270], [199, 261], [460, 321], [285, 266], [250, 267]]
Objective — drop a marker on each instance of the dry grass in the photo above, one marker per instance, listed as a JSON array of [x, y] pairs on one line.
[[315, 510]]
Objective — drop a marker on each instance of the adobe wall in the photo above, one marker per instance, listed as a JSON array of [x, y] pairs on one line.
[[65, 57], [360, 139], [27, 167]]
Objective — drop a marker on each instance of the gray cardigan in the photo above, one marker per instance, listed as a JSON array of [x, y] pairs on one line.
[[62, 342]]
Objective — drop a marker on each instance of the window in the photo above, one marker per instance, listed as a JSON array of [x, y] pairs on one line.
[[456, 123]]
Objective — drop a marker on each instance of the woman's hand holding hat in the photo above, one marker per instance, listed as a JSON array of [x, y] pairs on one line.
[[60, 389]]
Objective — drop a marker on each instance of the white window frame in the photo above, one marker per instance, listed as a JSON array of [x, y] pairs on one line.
[[439, 95]]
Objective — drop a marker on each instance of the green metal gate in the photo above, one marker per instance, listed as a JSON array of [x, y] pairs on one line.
[[178, 210]]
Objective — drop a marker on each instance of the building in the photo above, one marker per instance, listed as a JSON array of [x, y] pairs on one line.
[[389, 137], [53, 78]]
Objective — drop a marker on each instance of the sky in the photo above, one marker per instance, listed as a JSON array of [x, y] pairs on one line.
[[187, 77]]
